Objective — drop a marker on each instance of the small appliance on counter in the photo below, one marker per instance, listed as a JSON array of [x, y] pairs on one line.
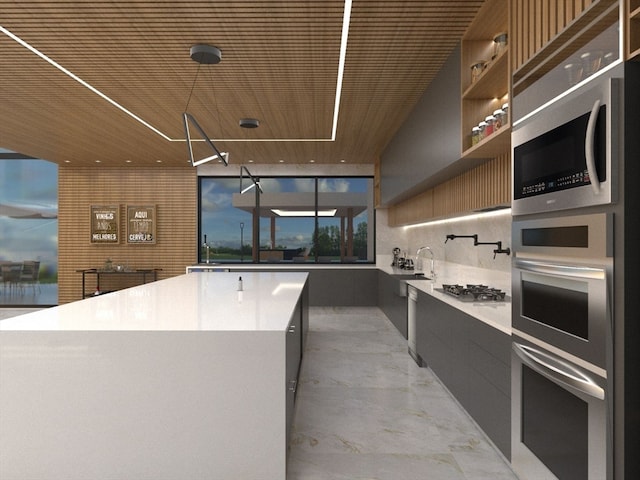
[[396, 257]]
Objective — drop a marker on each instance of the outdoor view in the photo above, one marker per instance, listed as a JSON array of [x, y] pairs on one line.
[[288, 230], [28, 231]]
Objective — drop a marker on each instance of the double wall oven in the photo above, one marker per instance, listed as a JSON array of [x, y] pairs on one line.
[[565, 176], [562, 347]]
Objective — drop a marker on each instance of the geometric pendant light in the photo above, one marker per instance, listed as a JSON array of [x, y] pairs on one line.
[[224, 156], [204, 55]]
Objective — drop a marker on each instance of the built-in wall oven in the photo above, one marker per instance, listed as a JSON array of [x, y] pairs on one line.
[[562, 281]]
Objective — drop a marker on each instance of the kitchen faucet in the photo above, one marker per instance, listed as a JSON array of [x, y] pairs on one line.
[[206, 247], [432, 273], [476, 243]]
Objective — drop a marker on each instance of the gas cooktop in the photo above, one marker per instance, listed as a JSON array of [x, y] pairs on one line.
[[475, 293]]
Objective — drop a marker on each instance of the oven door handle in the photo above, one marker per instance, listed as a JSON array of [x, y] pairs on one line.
[[589, 148], [558, 370], [565, 270]]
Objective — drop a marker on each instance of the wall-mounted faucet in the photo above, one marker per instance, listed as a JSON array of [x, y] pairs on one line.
[[206, 247], [432, 273], [476, 243]]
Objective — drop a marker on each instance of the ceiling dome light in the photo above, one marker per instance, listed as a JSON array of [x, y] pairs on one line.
[[249, 123], [205, 54]]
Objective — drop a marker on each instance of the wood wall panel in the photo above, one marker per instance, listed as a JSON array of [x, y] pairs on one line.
[[485, 186], [172, 190], [535, 22]]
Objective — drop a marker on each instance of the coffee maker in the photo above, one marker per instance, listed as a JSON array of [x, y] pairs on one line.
[[396, 258]]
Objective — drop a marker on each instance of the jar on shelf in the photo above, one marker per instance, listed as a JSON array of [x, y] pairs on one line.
[[505, 109], [499, 115], [482, 126], [499, 44], [591, 62], [490, 120], [477, 69], [475, 135]]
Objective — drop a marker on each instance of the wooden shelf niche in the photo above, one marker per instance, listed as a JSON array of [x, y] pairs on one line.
[[489, 91], [633, 29]]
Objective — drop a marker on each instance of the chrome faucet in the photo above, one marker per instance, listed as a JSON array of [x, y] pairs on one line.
[[206, 247], [432, 273]]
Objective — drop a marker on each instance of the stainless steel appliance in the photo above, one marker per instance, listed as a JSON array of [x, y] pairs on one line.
[[412, 293], [562, 324], [474, 293], [396, 257], [561, 282], [598, 234], [561, 425], [567, 155]]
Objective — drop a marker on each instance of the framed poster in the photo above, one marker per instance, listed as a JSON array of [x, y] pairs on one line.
[[141, 224], [105, 224]]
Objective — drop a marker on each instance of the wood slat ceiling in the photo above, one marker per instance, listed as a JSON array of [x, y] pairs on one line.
[[279, 64]]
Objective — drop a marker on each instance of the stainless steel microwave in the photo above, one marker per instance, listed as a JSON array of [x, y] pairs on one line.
[[565, 156]]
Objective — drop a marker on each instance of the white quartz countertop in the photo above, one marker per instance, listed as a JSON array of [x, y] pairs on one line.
[[205, 301], [494, 313]]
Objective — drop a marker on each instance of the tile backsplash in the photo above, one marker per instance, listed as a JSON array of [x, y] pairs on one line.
[[489, 228]]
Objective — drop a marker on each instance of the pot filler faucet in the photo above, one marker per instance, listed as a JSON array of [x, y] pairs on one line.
[[432, 273], [206, 247], [476, 243]]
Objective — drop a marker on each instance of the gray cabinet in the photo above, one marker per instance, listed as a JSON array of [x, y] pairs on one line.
[[342, 287], [426, 149], [335, 287], [391, 302], [294, 345], [472, 359]]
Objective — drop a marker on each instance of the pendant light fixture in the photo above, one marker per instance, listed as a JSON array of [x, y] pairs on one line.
[[203, 55], [255, 182]]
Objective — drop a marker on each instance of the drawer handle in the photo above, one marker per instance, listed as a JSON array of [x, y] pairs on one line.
[[557, 370]]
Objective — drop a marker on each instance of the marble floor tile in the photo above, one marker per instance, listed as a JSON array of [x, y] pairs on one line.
[[365, 410]]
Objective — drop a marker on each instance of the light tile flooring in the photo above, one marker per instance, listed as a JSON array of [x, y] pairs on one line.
[[365, 410]]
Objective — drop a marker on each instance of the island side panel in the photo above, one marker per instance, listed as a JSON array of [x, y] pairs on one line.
[[161, 405]]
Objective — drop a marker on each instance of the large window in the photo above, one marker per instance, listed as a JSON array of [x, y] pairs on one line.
[[285, 219], [28, 231]]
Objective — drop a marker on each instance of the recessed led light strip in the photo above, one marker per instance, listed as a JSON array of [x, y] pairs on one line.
[[346, 20], [474, 216], [82, 82], [336, 109]]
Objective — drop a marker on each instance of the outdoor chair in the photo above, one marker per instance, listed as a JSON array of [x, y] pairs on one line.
[[30, 274], [11, 275]]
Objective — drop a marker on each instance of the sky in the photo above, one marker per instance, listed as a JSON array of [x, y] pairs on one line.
[[33, 184], [220, 221]]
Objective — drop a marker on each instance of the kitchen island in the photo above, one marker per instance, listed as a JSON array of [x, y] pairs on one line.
[[182, 378]]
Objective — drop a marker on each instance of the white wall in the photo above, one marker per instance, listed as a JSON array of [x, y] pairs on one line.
[[489, 228]]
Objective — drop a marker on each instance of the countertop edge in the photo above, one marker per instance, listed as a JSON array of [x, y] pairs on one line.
[[495, 314]]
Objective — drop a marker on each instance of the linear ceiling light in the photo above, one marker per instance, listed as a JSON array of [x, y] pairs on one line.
[[346, 19], [304, 213], [82, 82]]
